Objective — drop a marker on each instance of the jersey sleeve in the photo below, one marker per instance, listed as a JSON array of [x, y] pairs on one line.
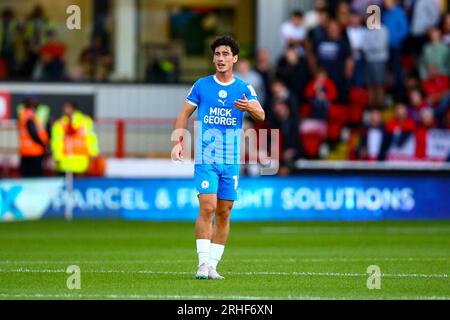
[[193, 96], [250, 92]]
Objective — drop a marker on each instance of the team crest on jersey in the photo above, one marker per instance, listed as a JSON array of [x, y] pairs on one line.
[[223, 94], [205, 184]]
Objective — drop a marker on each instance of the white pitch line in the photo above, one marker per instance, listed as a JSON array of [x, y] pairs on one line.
[[277, 260], [339, 274], [152, 296], [174, 297], [24, 270], [274, 230], [327, 274], [91, 261], [350, 230]]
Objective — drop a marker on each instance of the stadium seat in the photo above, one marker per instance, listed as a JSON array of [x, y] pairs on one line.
[[334, 131], [311, 144], [338, 113], [3, 70], [359, 96], [356, 114]]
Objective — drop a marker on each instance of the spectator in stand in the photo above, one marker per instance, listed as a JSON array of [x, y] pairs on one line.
[[412, 81], [37, 28], [375, 46], [399, 128], [446, 29], [444, 122], [8, 30], [408, 6], [96, 61], [355, 35], [51, 66], [292, 69], [425, 14], [436, 88], [343, 14], [311, 19], [163, 68], [292, 31], [426, 122], [266, 70], [394, 18], [435, 53], [332, 6], [360, 6], [316, 35], [320, 92], [335, 56], [372, 137], [416, 104], [245, 72], [279, 92], [290, 143]]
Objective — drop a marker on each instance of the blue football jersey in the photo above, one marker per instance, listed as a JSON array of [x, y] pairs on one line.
[[220, 123]]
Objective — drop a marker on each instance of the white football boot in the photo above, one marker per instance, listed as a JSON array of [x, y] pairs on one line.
[[202, 272], [212, 274]]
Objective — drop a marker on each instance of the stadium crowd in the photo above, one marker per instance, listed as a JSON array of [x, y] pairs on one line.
[[338, 82], [32, 50], [339, 79]]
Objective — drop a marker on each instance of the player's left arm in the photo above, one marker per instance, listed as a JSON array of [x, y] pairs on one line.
[[256, 111], [252, 106]]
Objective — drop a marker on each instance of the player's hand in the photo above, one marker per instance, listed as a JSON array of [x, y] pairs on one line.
[[177, 152], [242, 104]]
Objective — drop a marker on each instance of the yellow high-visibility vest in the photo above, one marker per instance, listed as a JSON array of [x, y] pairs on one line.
[[73, 143], [42, 112], [30, 27]]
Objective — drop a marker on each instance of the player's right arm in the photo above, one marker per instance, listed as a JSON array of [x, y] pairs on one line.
[[180, 126]]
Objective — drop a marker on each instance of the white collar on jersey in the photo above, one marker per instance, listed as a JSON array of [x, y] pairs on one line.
[[223, 83]]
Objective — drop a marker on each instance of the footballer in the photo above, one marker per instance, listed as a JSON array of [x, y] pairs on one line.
[[221, 101]]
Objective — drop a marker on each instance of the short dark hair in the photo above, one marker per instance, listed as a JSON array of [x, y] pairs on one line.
[[72, 103], [323, 11], [297, 13], [226, 41]]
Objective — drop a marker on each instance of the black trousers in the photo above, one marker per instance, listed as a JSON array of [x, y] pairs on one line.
[[31, 166]]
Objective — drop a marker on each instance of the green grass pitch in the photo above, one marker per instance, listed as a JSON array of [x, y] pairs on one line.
[[286, 260]]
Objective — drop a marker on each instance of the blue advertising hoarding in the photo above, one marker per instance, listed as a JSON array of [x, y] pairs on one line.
[[317, 197]]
